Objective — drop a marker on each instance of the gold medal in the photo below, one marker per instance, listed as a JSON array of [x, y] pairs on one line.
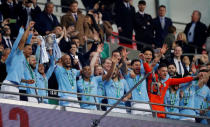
[[140, 92], [72, 87]]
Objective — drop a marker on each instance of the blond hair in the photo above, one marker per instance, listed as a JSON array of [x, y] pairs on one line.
[[182, 37]]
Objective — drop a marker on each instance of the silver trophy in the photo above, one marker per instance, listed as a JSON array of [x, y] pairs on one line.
[[49, 41]]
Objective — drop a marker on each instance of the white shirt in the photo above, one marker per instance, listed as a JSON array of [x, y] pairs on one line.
[[177, 67], [8, 43], [73, 14], [142, 13], [127, 5]]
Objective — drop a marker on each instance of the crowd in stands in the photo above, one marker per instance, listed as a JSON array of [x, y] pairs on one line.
[[73, 55]]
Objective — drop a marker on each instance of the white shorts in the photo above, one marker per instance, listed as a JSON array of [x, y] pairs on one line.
[[32, 99], [142, 106], [189, 119], [67, 103], [119, 110], [9, 89]]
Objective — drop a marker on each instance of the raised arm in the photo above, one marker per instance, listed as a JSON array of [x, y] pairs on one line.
[[25, 36], [110, 72], [93, 61], [52, 65], [158, 57], [177, 81]]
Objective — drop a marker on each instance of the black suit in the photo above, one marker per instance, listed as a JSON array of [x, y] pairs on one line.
[[160, 33], [143, 29], [44, 23], [200, 34], [171, 60], [5, 44], [24, 16], [11, 12], [125, 19]]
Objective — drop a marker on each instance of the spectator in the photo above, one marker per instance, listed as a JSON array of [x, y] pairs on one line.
[[143, 26], [10, 9], [93, 31], [196, 31], [75, 17], [161, 25], [172, 71], [29, 12], [6, 39], [181, 70], [46, 20], [186, 63], [76, 57], [208, 41], [182, 41], [170, 38], [3, 72], [107, 65], [125, 14]]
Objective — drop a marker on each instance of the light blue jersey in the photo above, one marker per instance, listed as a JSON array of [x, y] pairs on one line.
[[42, 82], [30, 73], [116, 90], [140, 93], [101, 91], [188, 98], [89, 88], [14, 62], [172, 99], [200, 97], [66, 81]]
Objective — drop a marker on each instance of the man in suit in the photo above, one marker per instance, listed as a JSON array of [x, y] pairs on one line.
[[75, 17], [46, 21], [161, 25], [176, 59], [196, 31], [143, 26], [6, 38], [10, 9], [125, 15], [29, 12]]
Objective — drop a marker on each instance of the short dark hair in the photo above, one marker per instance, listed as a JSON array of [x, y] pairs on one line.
[[48, 3], [115, 51], [172, 64], [172, 29], [148, 49], [162, 6], [73, 2], [142, 2], [27, 45], [134, 61], [72, 44], [74, 37], [162, 65]]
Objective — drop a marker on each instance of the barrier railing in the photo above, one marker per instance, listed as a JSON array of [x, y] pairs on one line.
[[101, 104]]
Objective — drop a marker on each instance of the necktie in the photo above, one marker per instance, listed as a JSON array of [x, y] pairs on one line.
[[75, 17], [9, 44], [128, 6], [180, 70], [162, 22], [51, 17]]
